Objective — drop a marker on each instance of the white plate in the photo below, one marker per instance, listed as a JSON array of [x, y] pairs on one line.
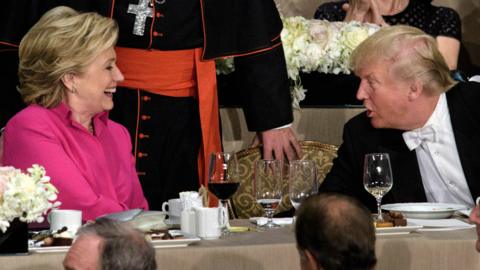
[[260, 221], [424, 210], [55, 249], [397, 230], [465, 212], [172, 222], [180, 242]]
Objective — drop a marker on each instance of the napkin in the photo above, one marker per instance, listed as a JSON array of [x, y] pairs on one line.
[[190, 199], [149, 220], [440, 224], [260, 221]]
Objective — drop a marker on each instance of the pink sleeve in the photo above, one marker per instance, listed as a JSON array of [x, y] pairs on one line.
[[31, 141]]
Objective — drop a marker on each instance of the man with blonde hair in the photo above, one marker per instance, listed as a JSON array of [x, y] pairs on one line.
[[427, 123]]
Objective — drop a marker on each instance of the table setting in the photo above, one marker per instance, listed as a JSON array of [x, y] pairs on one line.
[[419, 216], [182, 221], [428, 237]]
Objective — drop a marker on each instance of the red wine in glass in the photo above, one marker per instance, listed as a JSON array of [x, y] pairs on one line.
[[223, 179], [223, 190]]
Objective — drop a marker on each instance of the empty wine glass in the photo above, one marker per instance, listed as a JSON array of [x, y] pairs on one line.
[[223, 179], [302, 179], [377, 177], [268, 187]]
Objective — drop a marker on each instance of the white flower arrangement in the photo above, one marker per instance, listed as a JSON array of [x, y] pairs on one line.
[[27, 196], [315, 45]]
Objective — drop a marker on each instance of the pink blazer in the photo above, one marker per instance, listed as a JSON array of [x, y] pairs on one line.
[[93, 173]]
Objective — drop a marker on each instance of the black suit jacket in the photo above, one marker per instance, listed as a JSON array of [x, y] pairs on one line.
[[360, 138]]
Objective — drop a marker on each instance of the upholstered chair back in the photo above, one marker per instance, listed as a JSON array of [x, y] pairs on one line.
[[244, 203]]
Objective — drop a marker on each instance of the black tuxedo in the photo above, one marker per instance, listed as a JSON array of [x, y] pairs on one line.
[[360, 138]]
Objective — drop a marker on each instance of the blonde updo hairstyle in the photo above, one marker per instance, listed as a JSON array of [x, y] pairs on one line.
[[62, 42], [411, 55]]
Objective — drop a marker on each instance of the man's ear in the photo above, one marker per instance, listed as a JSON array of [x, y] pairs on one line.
[[416, 89], [311, 262], [68, 79]]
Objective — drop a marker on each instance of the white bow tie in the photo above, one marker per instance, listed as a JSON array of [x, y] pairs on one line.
[[417, 136]]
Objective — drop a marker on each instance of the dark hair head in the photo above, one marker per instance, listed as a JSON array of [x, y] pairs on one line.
[[338, 231], [123, 247]]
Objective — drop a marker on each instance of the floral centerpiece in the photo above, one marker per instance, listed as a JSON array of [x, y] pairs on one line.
[[26, 196], [314, 45]]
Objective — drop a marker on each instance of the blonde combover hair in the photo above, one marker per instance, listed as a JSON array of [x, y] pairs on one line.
[[62, 42], [411, 55]]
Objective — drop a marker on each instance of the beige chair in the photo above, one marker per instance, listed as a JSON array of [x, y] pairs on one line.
[[244, 203]]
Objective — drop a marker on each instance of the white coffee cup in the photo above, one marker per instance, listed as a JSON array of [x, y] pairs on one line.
[[174, 208], [209, 222], [58, 218]]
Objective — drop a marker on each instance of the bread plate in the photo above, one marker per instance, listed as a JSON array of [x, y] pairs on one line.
[[397, 230], [425, 210]]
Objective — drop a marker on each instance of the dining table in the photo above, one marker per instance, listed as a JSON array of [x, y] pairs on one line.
[[276, 249]]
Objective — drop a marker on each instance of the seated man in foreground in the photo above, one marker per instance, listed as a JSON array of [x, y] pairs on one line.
[[107, 244], [334, 231], [415, 112]]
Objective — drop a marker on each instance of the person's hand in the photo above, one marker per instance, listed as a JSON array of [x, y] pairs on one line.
[[374, 16], [280, 143], [475, 218], [357, 10], [365, 11]]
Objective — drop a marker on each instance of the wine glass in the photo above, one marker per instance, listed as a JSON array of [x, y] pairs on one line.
[[302, 179], [223, 180], [268, 187], [377, 177]]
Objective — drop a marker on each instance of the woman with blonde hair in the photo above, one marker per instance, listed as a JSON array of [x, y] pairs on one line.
[[68, 75], [442, 23]]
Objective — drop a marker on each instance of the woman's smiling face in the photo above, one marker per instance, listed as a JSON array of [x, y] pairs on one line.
[[93, 89]]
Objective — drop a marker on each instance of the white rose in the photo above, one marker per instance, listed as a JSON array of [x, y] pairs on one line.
[[313, 55], [320, 33], [353, 38], [300, 43]]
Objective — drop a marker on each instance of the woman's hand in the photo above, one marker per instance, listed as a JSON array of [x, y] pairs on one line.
[[365, 11], [374, 16], [356, 10]]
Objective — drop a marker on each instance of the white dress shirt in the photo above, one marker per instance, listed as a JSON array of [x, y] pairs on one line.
[[438, 160]]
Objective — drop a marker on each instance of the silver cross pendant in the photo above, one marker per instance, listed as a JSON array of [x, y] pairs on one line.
[[142, 11]]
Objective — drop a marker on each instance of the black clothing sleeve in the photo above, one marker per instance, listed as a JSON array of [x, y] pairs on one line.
[[264, 89]]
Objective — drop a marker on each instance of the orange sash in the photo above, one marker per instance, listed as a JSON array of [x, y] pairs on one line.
[[179, 73]]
